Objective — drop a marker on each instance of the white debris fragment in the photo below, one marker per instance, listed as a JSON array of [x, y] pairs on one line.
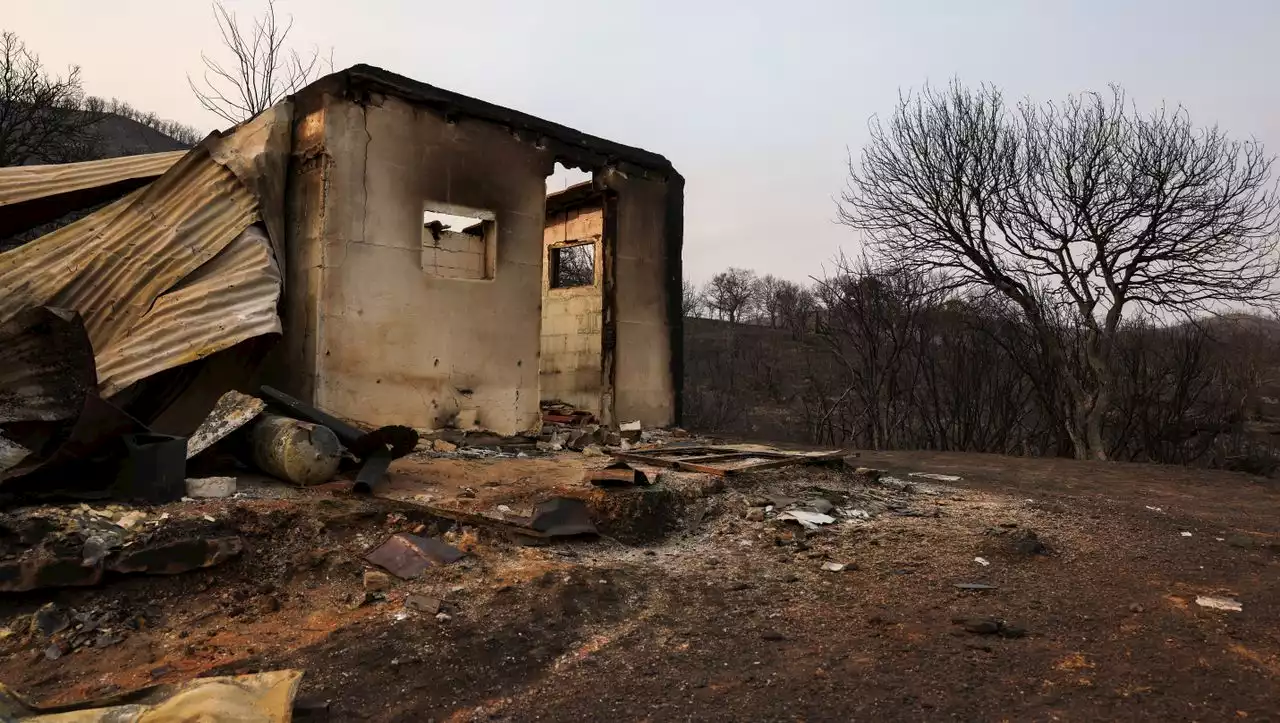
[[630, 426], [834, 566], [504, 509], [855, 514], [1185, 534], [982, 561], [1219, 603], [209, 518], [808, 519], [130, 520], [1155, 509], [936, 477]]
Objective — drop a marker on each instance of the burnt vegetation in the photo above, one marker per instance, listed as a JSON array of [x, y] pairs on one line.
[[1075, 279]]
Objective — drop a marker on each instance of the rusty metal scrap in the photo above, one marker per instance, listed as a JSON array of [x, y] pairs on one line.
[[408, 556], [167, 275]]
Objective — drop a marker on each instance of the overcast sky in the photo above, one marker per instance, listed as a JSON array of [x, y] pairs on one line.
[[754, 102]]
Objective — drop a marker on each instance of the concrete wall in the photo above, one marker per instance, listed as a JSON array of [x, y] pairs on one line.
[[643, 384], [395, 345], [572, 318]]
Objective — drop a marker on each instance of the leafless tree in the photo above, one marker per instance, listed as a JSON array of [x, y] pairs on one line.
[[261, 69], [43, 118], [692, 302], [1084, 210], [732, 293]]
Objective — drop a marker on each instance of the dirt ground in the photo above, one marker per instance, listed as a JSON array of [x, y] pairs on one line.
[[711, 616]]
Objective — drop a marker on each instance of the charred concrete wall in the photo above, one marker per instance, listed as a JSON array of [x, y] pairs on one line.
[[647, 285], [572, 318], [373, 334], [392, 343]]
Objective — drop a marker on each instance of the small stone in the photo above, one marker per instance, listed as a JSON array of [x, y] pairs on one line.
[[755, 514], [504, 509], [772, 635], [791, 577], [443, 617], [592, 450], [833, 566], [423, 604], [1136, 608], [445, 446], [467, 493], [53, 652], [211, 487], [376, 581], [94, 550]]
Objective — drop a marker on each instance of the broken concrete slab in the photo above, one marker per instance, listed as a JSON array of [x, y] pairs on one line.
[[232, 411], [211, 487]]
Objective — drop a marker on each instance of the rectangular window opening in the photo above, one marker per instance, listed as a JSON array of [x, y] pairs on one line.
[[458, 242], [573, 265]]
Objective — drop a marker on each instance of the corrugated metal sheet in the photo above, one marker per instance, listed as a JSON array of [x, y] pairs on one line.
[[168, 274], [24, 183], [228, 300]]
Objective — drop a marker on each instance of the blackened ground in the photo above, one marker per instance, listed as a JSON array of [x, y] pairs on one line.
[[729, 619]]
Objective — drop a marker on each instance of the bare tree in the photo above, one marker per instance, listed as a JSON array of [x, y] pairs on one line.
[[43, 117], [1082, 211], [732, 293], [261, 70], [180, 132], [692, 302]]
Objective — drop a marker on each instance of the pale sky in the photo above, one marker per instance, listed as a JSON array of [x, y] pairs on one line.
[[754, 102]]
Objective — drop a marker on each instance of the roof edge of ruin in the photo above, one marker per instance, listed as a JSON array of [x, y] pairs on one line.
[[369, 77]]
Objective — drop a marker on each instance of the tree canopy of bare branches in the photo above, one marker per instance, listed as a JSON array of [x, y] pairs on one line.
[[43, 118], [1082, 214], [732, 293], [259, 70]]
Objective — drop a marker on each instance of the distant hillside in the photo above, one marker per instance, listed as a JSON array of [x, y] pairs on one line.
[[120, 136]]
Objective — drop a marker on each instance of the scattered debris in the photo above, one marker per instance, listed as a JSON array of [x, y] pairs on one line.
[[834, 566], [617, 474], [211, 487], [1185, 534], [1219, 603], [982, 561], [408, 556], [1155, 509], [724, 460]]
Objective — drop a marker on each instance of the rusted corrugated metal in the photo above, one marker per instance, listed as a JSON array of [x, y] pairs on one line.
[[228, 300], [168, 274], [24, 183]]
